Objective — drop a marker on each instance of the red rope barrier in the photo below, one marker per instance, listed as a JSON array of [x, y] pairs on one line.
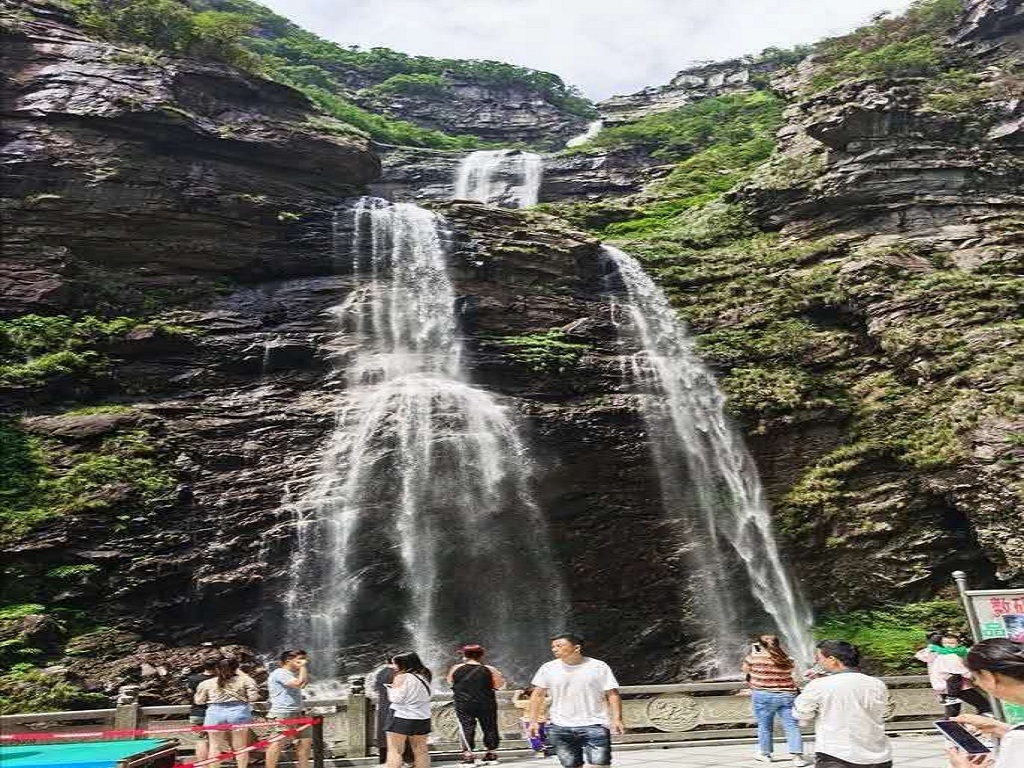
[[261, 744], [134, 734]]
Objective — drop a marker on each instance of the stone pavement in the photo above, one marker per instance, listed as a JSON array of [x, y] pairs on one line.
[[910, 751]]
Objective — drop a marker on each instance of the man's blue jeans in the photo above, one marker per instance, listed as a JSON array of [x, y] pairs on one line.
[[575, 745], [768, 705]]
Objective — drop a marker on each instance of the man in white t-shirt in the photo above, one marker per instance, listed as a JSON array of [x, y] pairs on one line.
[[850, 709], [586, 707]]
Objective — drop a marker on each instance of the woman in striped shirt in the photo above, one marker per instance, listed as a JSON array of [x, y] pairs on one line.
[[770, 674]]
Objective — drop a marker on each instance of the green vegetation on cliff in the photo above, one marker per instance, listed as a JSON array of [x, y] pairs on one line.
[[888, 637], [546, 352], [288, 46], [37, 348], [714, 144], [42, 479], [728, 120], [25, 688], [911, 44]]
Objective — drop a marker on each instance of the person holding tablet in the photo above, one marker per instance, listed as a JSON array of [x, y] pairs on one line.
[[997, 667]]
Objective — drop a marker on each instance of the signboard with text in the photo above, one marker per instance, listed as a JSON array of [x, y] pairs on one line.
[[1000, 613]]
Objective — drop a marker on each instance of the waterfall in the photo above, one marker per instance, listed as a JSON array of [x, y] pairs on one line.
[[593, 129], [506, 177], [420, 528], [710, 484]]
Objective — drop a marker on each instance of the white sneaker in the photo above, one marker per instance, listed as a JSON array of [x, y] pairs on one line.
[[762, 757], [799, 761]]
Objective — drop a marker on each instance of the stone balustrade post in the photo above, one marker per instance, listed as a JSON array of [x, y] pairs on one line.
[[357, 717], [127, 710]]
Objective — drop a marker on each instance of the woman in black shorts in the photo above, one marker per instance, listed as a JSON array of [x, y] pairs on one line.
[[410, 702]]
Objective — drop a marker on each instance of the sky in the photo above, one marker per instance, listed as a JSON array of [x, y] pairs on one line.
[[604, 47]]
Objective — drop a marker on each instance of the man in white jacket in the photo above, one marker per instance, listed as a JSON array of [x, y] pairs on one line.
[[849, 708]]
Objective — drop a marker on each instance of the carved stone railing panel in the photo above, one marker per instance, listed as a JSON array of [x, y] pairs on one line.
[[719, 710], [651, 713], [904, 702], [674, 712]]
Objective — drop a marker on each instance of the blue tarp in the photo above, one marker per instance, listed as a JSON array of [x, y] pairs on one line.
[[86, 754]]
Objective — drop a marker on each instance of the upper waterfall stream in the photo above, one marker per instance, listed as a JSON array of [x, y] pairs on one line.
[[420, 527], [506, 177]]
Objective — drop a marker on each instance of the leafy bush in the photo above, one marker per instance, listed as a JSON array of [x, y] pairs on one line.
[[888, 638], [907, 45], [27, 689], [171, 26], [421, 84]]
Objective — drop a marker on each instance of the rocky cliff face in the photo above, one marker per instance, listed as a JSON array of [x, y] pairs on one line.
[[135, 185], [861, 303], [689, 85], [924, 196], [129, 172], [501, 114]]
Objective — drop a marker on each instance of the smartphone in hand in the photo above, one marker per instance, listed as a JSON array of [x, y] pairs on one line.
[[963, 738]]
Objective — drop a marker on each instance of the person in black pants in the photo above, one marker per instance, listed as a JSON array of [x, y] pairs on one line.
[[385, 676], [474, 684]]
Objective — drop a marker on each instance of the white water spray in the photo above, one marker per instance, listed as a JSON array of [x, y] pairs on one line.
[[709, 481], [506, 177], [420, 527]]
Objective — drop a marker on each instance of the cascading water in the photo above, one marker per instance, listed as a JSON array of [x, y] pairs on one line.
[[420, 528], [709, 482], [507, 177], [593, 129]]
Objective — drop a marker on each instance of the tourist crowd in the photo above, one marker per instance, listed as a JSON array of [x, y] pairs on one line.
[[572, 707]]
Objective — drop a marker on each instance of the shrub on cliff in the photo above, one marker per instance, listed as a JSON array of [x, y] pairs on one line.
[[170, 26], [41, 479], [889, 637], [27, 689], [733, 119], [422, 84], [907, 45]]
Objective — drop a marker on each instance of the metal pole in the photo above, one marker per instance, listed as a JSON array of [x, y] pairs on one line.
[[318, 743], [972, 619]]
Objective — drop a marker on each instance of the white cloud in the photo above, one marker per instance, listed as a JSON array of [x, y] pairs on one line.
[[602, 46]]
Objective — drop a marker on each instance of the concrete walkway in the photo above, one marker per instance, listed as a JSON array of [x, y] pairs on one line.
[[910, 751]]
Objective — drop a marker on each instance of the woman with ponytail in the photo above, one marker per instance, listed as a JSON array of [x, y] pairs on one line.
[[997, 667], [769, 671], [229, 697]]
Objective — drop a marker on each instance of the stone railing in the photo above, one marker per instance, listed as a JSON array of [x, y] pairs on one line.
[[652, 713]]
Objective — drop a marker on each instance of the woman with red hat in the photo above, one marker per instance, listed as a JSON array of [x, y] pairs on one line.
[[474, 684]]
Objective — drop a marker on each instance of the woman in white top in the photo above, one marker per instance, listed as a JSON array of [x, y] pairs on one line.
[[997, 666], [409, 694]]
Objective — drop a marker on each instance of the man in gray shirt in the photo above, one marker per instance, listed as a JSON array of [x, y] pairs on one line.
[[850, 709], [285, 686]]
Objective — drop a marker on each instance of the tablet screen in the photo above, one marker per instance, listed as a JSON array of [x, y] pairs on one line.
[[962, 737]]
